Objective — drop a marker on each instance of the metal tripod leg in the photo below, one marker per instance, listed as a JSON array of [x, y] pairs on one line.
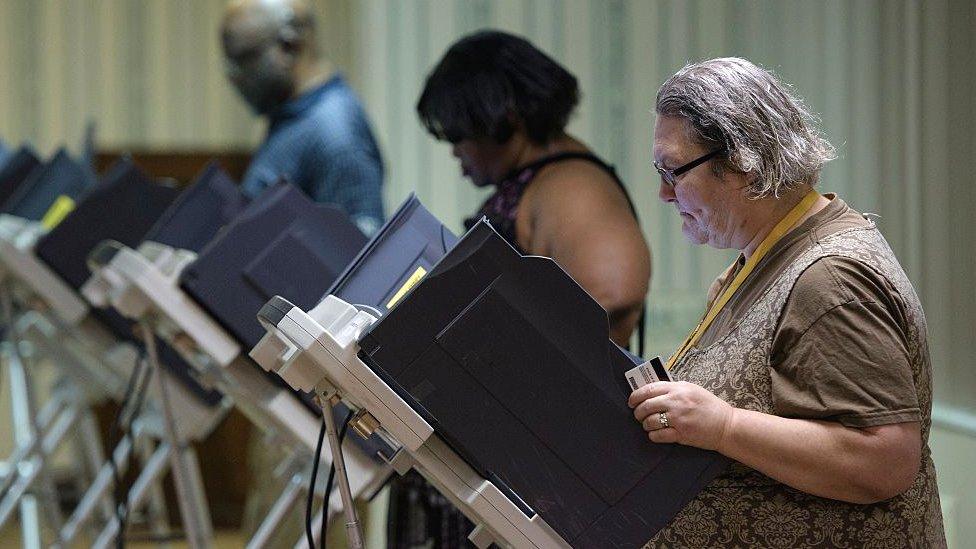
[[29, 517], [34, 468], [279, 511], [354, 532], [91, 446], [98, 490], [98, 495], [151, 473], [156, 506], [45, 419], [186, 470], [26, 428]]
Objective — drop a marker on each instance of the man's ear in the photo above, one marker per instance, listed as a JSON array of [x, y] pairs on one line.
[[289, 39]]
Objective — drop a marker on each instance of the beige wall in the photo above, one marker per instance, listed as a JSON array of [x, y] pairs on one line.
[[894, 81], [148, 72], [954, 452]]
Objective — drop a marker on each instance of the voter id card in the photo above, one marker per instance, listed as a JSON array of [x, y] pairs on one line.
[[648, 372]]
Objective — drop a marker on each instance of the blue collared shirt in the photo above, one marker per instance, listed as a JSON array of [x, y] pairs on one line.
[[4, 154], [322, 142]]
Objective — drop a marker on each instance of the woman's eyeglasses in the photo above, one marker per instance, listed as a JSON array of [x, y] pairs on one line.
[[671, 176]]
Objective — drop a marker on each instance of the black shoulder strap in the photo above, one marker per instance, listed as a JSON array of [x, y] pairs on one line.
[[573, 155], [585, 156], [641, 330]]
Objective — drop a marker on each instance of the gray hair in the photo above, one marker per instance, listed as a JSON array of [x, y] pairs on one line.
[[765, 129]]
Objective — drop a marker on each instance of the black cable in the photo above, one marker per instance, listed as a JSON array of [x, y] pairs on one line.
[[136, 407], [114, 439], [141, 394], [328, 483], [311, 487], [121, 424]]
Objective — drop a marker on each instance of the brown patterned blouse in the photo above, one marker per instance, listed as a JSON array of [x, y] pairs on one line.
[[827, 327]]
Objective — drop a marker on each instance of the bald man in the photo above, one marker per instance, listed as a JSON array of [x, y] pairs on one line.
[[318, 135]]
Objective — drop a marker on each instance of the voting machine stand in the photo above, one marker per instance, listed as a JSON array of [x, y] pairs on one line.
[[37, 432], [318, 350], [494, 377], [146, 284], [48, 287]]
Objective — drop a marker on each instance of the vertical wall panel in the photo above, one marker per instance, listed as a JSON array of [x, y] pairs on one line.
[[930, 191], [441, 174], [51, 69], [962, 236], [6, 67], [922, 121], [576, 50], [834, 60]]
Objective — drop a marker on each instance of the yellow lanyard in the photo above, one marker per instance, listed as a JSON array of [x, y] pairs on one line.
[[778, 232]]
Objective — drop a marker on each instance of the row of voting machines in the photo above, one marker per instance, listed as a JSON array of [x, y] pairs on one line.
[[488, 372]]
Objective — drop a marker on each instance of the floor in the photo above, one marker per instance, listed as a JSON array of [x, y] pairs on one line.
[[10, 538]]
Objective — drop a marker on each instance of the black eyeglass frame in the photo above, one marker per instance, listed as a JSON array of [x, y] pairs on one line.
[[671, 176]]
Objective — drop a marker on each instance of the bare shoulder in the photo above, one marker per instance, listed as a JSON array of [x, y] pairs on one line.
[[577, 186]]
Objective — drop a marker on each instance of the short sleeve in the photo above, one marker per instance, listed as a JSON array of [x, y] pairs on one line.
[[840, 351], [260, 175]]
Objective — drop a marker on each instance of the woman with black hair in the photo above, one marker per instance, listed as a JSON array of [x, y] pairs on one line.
[[504, 106]]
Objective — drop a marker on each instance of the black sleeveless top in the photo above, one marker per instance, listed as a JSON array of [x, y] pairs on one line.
[[501, 208]]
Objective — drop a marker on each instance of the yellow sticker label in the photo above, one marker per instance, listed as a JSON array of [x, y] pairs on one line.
[[410, 283], [57, 212]]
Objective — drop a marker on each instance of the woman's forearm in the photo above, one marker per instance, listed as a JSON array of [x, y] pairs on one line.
[[824, 458]]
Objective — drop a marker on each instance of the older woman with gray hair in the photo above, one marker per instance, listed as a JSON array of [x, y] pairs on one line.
[[810, 368]]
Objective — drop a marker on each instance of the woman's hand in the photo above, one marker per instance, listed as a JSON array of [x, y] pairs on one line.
[[695, 417], [819, 457]]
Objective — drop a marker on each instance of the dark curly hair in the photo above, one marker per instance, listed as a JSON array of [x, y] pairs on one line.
[[491, 82]]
